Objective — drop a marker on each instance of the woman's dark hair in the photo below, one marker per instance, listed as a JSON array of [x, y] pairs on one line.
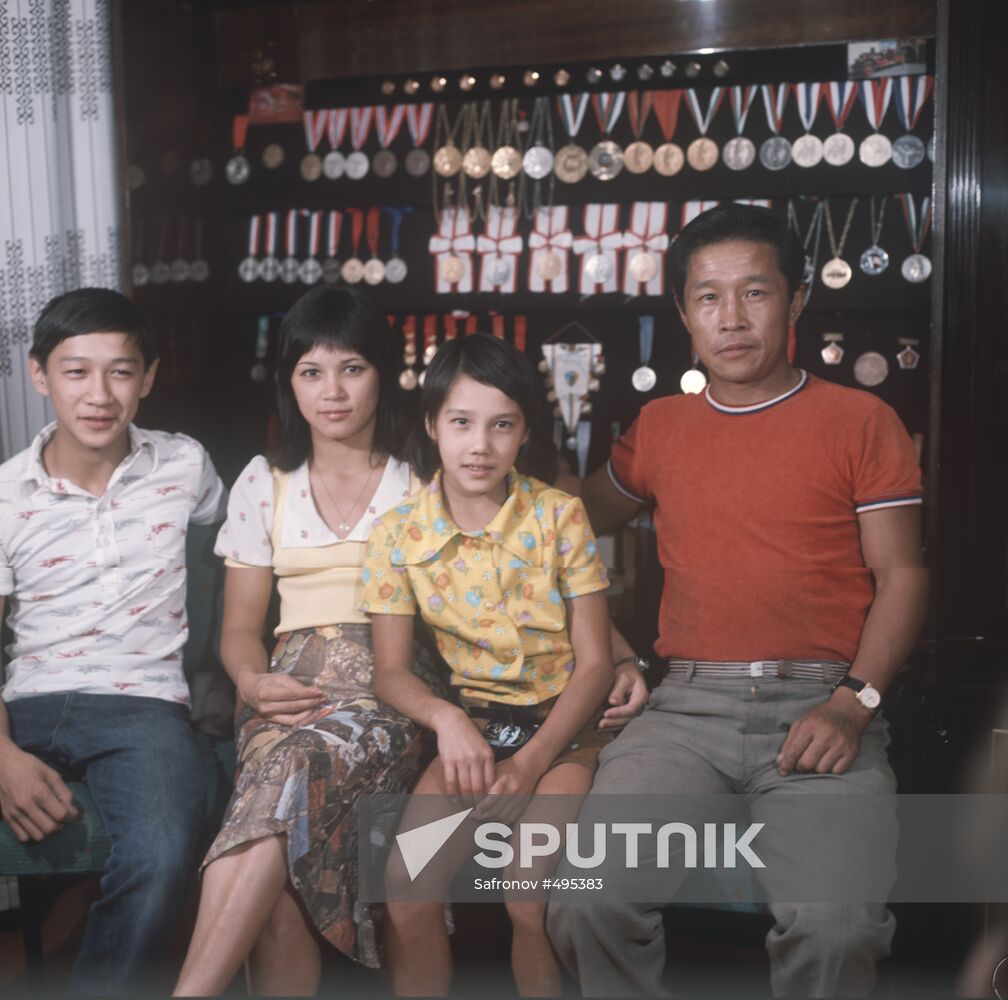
[[91, 310], [733, 221], [334, 318], [496, 363]]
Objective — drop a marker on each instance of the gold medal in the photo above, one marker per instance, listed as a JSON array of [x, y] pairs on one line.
[[548, 265], [638, 157], [836, 273], [570, 164], [448, 160], [311, 167], [273, 155], [702, 153], [452, 269], [408, 379], [476, 162], [352, 271], [871, 369], [374, 271], [506, 162], [668, 159], [643, 267]]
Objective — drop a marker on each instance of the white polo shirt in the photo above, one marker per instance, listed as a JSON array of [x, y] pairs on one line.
[[96, 586]]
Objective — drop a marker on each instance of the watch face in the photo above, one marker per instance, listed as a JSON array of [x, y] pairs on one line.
[[869, 697]]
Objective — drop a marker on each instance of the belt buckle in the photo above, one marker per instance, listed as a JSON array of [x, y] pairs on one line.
[[785, 668], [756, 668]]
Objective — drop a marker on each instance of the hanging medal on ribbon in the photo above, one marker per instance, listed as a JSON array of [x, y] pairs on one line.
[[703, 153], [388, 124], [639, 155], [447, 156], [807, 150], [836, 272], [832, 353], [418, 120], [571, 161], [395, 266], [357, 163], [775, 153], [506, 162], [290, 265], [499, 247], [668, 157], [408, 377], [334, 162], [311, 270], [644, 245], [249, 268], [538, 159], [917, 267], [477, 157], [875, 260], [875, 150], [550, 243], [912, 93], [599, 249], [269, 270], [810, 242], [374, 269], [352, 270], [331, 267], [605, 160], [740, 153], [693, 381], [237, 170], [452, 247], [644, 378], [199, 269], [571, 368], [908, 359], [315, 123], [838, 149]]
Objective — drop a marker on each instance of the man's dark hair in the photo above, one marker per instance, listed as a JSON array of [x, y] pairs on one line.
[[496, 363], [342, 319], [91, 310], [733, 221]]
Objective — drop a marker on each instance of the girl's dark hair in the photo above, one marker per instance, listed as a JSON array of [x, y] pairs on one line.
[[496, 363], [334, 318]]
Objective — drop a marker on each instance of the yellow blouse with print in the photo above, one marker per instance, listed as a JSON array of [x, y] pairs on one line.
[[493, 598]]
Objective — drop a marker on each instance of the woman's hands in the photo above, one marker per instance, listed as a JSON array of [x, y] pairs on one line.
[[279, 698]]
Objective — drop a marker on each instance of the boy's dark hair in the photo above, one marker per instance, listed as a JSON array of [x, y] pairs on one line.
[[91, 310], [335, 318], [733, 221], [496, 363]]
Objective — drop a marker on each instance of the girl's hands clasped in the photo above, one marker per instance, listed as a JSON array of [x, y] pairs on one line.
[[278, 697]]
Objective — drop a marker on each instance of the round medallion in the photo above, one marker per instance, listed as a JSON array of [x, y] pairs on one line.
[[644, 379], [237, 170], [500, 272], [334, 165], [537, 162], [832, 354], [357, 165], [702, 153], [908, 152], [248, 269], [201, 172], [599, 268], [179, 271], [548, 265], [874, 260], [269, 269], [775, 153], [395, 270], [739, 153], [417, 162], [694, 381], [638, 157], [332, 271], [352, 271], [836, 273], [310, 271], [273, 156], [476, 162], [160, 273], [141, 275], [570, 164], [668, 159], [838, 149], [408, 379], [199, 270], [506, 162], [807, 151], [374, 271], [643, 267], [875, 150], [871, 368], [311, 167], [451, 269], [916, 268], [605, 160], [290, 270], [384, 163]]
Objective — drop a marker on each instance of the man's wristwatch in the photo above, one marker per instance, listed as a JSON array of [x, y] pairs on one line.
[[638, 661], [867, 695]]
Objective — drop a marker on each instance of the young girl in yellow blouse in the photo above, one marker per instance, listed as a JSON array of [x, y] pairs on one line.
[[504, 570]]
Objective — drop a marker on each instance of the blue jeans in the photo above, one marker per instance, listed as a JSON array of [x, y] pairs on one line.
[[142, 766]]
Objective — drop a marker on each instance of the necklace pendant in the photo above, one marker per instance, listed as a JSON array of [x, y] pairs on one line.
[[343, 529]]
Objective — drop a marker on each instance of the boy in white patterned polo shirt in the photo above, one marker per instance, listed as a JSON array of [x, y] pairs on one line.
[[93, 519]]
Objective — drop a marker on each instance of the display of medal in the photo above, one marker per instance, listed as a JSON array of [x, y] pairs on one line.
[[807, 150], [352, 270], [249, 268], [538, 159], [838, 149], [832, 353], [374, 269], [476, 136], [418, 120], [269, 269], [693, 381], [668, 157], [311, 270], [599, 248], [917, 267], [506, 161], [395, 266], [605, 160], [836, 272], [550, 242], [810, 243], [408, 376], [775, 153], [388, 124], [447, 156], [908, 359], [334, 162], [703, 153], [237, 170], [871, 369], [570, 163], [875, 260], [875, 150], [331, 267], [273, 156], [638, 156], [314, 126], [644, 378], [912, 92], [290, 266], [739, 153], [645, 243], [357, 163]]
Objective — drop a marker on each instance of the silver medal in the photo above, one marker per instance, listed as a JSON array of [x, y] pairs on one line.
[[875, 150], [310, 271], [599, 268], [357, 165], [874, 260], [160, 273], [248, 269], [908, 152], [500, 272], [644, 379], [916, 268], [395, 270], [269, 269], [374, 271], [179, 270], [838, 149], [199, 270], [237, 169], [141, 275], [807, 151], [537, 162], [290, 270], [417, 162], [871, 368], [334, 165], [739, 153], [775, 153]]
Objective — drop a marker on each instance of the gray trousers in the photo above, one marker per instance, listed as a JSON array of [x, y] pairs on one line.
[[704, 736]]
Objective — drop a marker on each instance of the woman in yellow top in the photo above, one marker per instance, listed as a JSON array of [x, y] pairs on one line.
[[503, 569], [311, 738]]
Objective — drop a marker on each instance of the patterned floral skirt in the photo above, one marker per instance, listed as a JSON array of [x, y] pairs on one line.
[[305, 782]]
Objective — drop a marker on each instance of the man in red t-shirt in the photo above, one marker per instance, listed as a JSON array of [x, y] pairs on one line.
[[787, 512]]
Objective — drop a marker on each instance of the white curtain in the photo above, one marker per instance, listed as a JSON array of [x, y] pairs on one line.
[[59, 211]]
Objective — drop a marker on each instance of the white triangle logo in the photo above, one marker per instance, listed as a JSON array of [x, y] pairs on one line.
[[420, 845]]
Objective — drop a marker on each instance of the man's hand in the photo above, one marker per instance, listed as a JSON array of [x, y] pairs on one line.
[[628, 697], [33, 798], [826, 739], [279, 698]]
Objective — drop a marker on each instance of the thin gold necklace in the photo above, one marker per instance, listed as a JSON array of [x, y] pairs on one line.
[[343, 528]]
